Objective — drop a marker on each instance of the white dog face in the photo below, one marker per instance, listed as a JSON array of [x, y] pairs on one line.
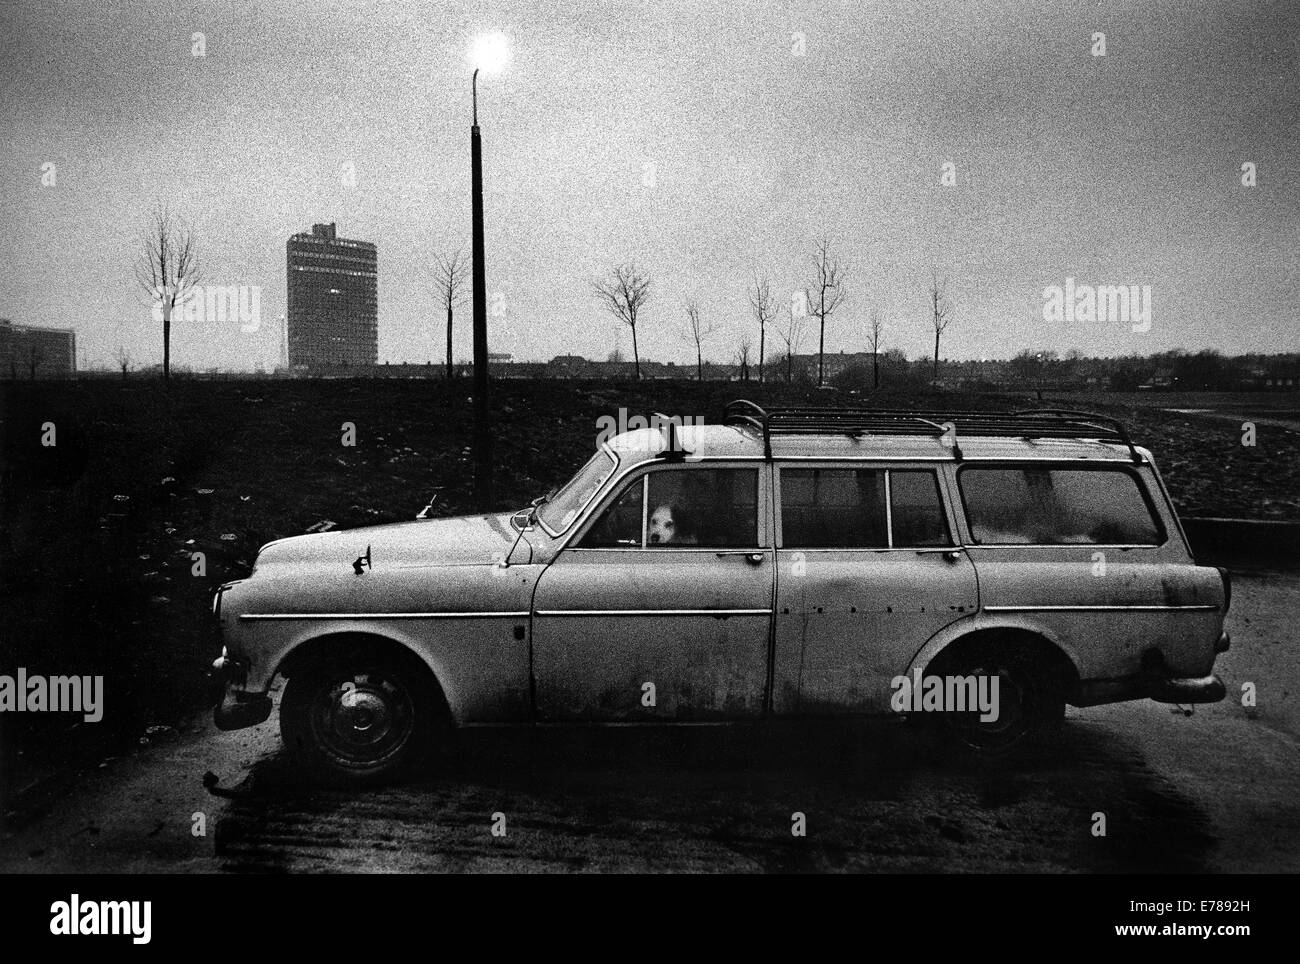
[[662, 526]]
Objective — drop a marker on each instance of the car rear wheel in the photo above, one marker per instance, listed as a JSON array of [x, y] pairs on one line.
[[1030, 699], [360, 719]]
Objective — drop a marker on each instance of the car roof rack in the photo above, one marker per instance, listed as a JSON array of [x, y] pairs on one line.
[[1023, 423]]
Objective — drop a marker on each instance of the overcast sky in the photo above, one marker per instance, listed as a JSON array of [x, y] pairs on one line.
[[690, 137]]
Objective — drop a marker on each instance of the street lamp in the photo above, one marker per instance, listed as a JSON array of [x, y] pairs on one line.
[[489, 53]]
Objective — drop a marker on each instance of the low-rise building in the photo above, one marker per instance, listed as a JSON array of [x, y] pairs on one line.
[[30, 351]]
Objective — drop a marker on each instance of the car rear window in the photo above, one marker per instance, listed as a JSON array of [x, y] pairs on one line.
[[1040, 505], [846, 509]]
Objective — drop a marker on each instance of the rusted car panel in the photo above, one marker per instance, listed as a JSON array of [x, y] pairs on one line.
[[848, 621], [468, 621], [692, 624], [1109, 621]]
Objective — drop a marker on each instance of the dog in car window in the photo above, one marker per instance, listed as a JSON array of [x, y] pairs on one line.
[[672, 525]]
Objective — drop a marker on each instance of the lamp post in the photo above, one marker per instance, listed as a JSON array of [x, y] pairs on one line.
[[490, 53]]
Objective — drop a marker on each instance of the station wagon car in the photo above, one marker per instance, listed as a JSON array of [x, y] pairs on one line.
[[804, 562]]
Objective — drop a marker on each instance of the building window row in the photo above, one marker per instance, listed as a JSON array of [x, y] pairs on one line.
[[358, 274], [310, 239], [313, 256]]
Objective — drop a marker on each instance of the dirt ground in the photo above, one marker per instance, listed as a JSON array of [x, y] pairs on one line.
[[1217, 791]]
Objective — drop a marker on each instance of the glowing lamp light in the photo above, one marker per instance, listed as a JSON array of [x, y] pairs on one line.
[[490, 52]]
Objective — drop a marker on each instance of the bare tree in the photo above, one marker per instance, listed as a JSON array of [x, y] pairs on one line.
[[793, 337], [941, 307], [616, 356], [760, 299], [877, 329], [624, 293], [123, 359], [743, 348], [697, 331], [824, 295], [167, 269], [450, 283]]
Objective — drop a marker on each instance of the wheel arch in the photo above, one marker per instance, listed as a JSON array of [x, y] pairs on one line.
[[327, 646], [966, 635]]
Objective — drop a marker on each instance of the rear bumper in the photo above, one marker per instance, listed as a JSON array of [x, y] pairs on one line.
[[237, 708], [1162, 689], [1201, 689]]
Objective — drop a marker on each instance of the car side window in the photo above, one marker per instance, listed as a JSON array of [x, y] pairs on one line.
[[1038, 505], [696, 506], [619, 526], [833, 509], [916, 510], [846, 509]]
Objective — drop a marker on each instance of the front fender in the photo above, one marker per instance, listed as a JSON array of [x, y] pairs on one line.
[[468, 624]]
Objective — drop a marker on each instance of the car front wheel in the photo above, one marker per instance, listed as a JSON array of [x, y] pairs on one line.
[[359, 720]]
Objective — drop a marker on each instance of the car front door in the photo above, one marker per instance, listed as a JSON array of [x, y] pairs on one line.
[[660, 607], [867, 572]]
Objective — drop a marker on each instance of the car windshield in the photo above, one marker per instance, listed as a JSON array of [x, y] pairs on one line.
[[558, 512]]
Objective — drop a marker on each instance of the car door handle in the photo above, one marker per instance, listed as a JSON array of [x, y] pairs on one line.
[[753, 558], [952, 555]]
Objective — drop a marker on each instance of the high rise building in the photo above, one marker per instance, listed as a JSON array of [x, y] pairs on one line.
[[333, 300]]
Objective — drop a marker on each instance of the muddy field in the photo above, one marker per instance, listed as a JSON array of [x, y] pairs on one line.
[[100, 532]]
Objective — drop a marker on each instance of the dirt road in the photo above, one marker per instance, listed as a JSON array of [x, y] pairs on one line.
[[1217, 791]]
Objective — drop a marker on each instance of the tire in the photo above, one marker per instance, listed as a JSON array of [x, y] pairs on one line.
[[361, 719], [1031, 700]]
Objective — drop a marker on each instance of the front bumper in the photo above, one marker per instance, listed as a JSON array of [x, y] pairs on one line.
[[237, 708]]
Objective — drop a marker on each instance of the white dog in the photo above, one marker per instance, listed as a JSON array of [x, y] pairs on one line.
[[669, 525]]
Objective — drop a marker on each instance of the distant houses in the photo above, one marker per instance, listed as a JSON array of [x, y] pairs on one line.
[[1162, 379], [833, 365], [1039, 371], [561, 366], [1281, 376], [30, 353]]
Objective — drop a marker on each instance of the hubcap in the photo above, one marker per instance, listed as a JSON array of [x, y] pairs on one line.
[[362, 718], [1011, 708]]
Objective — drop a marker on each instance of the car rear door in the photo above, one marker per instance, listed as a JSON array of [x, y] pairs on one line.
[[867, 571]]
